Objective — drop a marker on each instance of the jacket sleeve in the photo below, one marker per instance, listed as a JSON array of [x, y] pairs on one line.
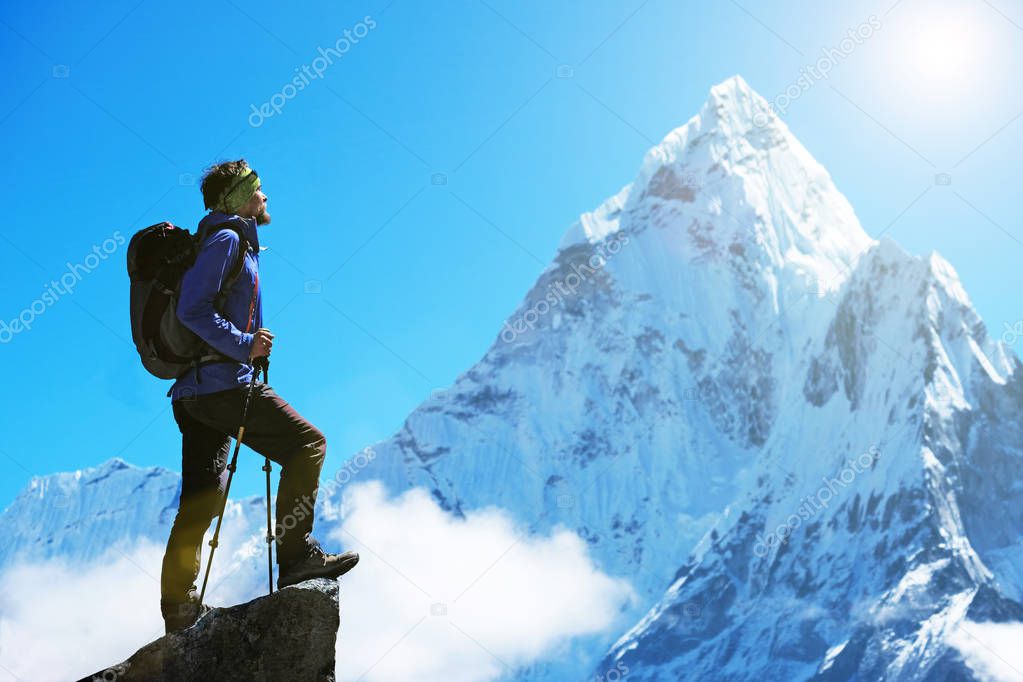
[[200, 285]]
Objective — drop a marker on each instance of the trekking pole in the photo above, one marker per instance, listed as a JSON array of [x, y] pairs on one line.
[[230, 468], [264, 363]]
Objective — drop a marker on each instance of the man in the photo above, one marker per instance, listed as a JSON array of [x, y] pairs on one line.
[[208, 400]]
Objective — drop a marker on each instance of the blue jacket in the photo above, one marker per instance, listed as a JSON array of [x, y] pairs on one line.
[[231, 333]]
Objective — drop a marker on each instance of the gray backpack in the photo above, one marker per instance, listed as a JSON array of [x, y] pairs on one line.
[[158, 257]]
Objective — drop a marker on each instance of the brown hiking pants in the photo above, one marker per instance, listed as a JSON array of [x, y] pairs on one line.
[[273, 428]]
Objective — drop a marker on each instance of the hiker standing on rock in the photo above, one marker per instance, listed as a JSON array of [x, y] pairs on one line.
[[222, 306]]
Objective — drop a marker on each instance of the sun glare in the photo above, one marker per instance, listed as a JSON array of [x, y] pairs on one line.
[[945, 49]]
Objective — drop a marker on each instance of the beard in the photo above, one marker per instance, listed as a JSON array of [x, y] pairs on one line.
[[263, 218]]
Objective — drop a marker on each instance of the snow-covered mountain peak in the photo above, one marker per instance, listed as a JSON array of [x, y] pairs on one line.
[[730, 190], [876, 488], [77, 513], [55, 483], [734, 107], [946, 275], [912, 316]]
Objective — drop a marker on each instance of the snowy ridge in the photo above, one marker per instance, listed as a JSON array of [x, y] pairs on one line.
[[81, 516], [877, 582], [78, 514]]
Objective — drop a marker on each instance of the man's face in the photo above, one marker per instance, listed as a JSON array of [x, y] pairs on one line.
[[256, 208]]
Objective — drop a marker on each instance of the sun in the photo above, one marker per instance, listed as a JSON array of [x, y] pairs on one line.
[[945, 48]]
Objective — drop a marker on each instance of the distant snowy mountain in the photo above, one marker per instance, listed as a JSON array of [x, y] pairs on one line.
[[707, 349], [78, 515]]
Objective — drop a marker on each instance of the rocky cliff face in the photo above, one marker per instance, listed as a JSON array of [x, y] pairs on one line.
[[289, 635]]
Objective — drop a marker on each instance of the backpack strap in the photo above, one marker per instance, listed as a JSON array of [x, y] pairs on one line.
[[212, 355], [233, 274], [236, 269]]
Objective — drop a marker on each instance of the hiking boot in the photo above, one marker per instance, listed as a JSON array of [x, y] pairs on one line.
[[316, 564], [177, 617]]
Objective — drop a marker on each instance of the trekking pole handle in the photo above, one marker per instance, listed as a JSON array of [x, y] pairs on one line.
[[262, 363]]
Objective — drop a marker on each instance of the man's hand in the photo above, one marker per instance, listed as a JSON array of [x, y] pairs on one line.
[[262, 342]]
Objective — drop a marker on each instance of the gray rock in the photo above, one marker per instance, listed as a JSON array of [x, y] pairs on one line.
[[289, 635]]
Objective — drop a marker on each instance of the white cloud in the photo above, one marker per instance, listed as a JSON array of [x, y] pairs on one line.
[[61, 622], [439, 597], [991, 650], [502, 598]]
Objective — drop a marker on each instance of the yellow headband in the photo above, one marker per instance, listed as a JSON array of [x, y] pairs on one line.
[[240, 192]]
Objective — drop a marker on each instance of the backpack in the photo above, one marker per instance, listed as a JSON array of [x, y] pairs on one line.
[[158, 257]]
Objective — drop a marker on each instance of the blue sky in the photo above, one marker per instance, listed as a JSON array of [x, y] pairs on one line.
[[420, 185]]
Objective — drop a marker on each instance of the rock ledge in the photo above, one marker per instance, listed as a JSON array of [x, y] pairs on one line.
[[289, 635]]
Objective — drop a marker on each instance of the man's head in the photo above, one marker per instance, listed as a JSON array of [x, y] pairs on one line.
[[234, 188]]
